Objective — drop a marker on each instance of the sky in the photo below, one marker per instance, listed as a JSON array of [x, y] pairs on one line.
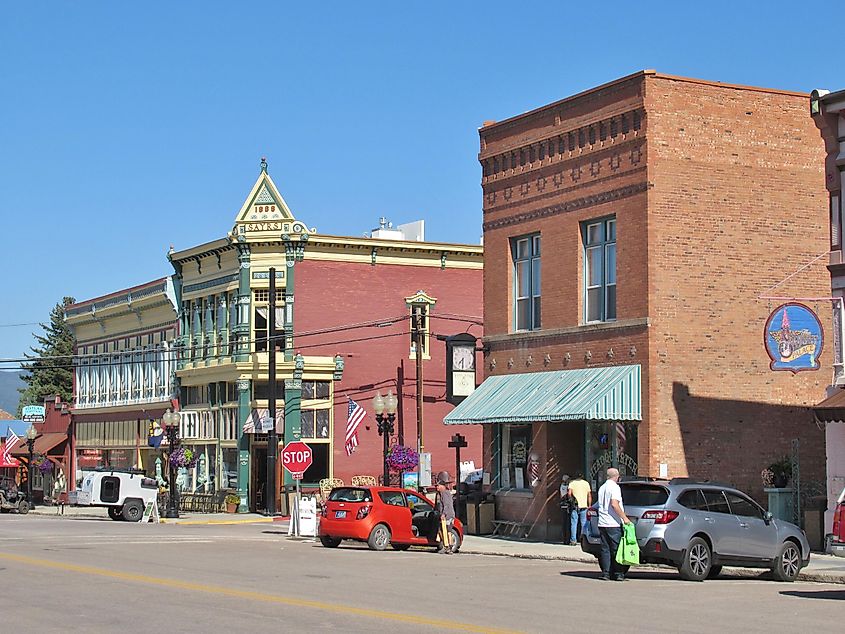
[[129, 127]]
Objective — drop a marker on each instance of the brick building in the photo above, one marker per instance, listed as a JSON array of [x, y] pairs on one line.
[[659, 210]]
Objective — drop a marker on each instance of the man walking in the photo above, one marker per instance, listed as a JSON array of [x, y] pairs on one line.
[[611, 517], [582, 497], [445, 508]]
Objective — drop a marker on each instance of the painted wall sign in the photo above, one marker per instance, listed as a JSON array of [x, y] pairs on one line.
[[794, 338]]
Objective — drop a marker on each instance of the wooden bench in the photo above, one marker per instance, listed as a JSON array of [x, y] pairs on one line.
[[510, 528]]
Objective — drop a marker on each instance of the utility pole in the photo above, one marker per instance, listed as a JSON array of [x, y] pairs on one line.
[[418, 354], [272, 438]]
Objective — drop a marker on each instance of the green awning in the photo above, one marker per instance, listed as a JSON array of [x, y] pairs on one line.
[[608, 393]]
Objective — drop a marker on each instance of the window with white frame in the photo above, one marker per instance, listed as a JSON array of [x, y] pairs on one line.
[[514, 449], [526, 277], [600, 270]]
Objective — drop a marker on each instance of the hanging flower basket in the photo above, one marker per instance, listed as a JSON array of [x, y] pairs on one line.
[[42, 463], [183, 457], [401, 458]]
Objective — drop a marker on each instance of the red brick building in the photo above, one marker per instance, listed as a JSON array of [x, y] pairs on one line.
[[659, 211]]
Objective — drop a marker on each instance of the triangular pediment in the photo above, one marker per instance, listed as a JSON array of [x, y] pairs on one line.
[[264, 203]]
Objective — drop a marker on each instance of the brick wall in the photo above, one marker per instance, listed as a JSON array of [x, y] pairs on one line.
[[718, 195], [377, 357]]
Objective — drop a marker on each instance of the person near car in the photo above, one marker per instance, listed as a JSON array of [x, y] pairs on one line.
[[612, 516], [445, 507], [581, 497], [565, 508]]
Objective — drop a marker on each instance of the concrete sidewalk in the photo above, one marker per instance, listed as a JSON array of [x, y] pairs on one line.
[[95, 512], [822, 568]]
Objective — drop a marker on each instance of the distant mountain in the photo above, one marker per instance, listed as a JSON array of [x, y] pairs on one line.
[[9, 395]]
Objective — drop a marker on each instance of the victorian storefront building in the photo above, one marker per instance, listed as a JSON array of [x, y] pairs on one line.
[[630, 235], [124, 377], [828, 111], [341, 310]]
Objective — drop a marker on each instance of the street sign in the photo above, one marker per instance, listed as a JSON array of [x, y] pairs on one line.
[[296, 458], [33, 414]]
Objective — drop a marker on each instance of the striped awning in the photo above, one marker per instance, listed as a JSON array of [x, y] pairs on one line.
[[832, 409], [608, 393]]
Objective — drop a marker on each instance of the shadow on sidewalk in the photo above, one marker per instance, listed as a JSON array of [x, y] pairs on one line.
[[835, 595]]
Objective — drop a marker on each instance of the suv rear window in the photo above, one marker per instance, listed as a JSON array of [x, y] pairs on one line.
[[348, 494], [643, 495]]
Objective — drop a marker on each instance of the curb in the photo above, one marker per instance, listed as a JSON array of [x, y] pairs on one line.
[[744, 573]]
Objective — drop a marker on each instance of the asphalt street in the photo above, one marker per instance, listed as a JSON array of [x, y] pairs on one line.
[[91, 575]]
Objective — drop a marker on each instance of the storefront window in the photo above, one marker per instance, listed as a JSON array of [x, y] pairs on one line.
[[515, 447], [229, 473]]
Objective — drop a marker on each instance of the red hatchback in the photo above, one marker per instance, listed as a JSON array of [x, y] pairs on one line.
[[383, 516]]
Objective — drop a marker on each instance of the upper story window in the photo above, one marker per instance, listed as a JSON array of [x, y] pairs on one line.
[[261, 319], [600, 270], [526, 275]]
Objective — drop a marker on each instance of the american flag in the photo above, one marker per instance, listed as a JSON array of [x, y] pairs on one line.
[[12, 439], [353, 420]]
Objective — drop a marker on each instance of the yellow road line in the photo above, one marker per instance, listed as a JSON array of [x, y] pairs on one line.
[[252, 595]]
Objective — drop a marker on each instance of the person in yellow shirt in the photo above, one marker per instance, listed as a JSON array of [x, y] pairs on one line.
[[580, 491]]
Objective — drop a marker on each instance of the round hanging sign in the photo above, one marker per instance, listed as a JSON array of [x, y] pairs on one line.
[[794, 338]]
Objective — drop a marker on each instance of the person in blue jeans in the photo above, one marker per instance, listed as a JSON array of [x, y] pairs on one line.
[[611, 517], [581, 497]]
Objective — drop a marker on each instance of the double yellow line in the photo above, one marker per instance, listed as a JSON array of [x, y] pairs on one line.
[[251, 595]]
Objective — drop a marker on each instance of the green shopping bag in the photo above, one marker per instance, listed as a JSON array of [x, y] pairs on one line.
[[628, 553]]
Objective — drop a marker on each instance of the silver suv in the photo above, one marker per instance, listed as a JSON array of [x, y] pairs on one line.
[[699, 527]]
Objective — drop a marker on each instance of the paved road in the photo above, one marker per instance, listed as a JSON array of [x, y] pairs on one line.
[[101, 576]]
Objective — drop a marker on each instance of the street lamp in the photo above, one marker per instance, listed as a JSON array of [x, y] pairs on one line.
[[385, 425], [170, 422], [31, 434]]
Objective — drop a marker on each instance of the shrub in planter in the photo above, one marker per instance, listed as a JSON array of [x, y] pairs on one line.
[[231, 501]]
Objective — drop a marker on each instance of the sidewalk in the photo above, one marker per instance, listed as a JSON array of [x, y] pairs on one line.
[[822, 568], [95, 512]]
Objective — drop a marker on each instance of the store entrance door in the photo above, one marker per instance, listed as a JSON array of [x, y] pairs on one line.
[[258, 480]]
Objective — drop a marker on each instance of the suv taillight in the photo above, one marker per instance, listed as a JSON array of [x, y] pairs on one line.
[[324, 511], [363, 512], [660, 517]]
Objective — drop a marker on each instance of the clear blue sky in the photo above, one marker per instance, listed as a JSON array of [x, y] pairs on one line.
[[127, 127]]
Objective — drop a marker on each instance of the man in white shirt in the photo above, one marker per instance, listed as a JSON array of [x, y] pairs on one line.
[[611, 517]]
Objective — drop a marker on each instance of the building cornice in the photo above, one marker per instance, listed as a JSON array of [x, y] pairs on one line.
[[496, 342]]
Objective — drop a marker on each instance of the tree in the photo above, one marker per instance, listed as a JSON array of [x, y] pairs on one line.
[[49, 370]]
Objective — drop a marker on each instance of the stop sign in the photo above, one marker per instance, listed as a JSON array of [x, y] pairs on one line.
[[296, 458]]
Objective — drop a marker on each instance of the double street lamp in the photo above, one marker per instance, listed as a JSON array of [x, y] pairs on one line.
[[385, 424], [170, 422], [31, 435]]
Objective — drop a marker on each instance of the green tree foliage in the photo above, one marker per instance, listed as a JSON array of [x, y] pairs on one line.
[[49, 370]]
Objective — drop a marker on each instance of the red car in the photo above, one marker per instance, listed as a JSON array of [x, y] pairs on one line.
[[383, 516]]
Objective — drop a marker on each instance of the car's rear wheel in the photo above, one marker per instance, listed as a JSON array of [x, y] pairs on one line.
[[697, 561], [454, 540], [379, 537], [788, 563], [23, 508], [400, 546], [330, 542], [715, 571], [133, 510], [116, 512]]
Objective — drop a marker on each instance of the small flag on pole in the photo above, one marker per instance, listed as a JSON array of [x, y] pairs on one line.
[[353, 420], [12, 439]]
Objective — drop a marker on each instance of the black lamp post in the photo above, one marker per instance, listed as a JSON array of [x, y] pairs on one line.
[[31, 434], [170, 420], [385, 425]]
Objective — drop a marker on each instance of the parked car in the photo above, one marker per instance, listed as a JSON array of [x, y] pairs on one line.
[[12, 498], [836, 540], [382, 517], [699, 527], [124, 492]]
